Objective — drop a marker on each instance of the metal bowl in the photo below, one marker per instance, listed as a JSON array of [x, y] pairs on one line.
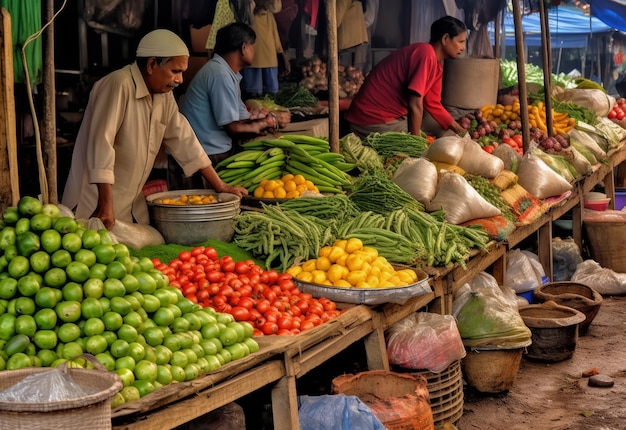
[[193, 224], [368, 296]]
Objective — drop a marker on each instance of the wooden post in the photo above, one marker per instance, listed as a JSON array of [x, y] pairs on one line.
[[9, 178], [547, 65], [521, 73], [333, 76], [48, 131]]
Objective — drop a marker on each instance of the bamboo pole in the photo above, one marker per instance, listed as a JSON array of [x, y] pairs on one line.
[[521, 73], [49, 109], [8, 134], [333, 76], [547, 69]]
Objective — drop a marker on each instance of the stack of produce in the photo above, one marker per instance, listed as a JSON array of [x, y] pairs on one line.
[[315, 78], [266, 299], [271, 159], [507, 114], [66, 290], [349, 264]]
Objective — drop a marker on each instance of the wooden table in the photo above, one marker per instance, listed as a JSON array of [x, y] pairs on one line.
[[282, 360]]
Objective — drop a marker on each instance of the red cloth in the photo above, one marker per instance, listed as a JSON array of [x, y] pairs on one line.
[[384, 94], [311, 8]]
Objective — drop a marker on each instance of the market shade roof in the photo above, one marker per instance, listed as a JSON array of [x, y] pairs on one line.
[[611, 12], [569, 28]]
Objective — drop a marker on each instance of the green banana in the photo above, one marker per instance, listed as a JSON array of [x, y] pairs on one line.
[[309, 140], [254, 144], [240, 163], [271, 173], [273, 159], [321, 166], [312, 174], [247, 155], [263, 168], [330, 157], [271, 152]]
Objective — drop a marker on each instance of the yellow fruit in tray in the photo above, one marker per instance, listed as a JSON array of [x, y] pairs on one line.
[[184, 199], [322, 263], [356, 276], [373, 281], [341, 243], [287, 177], [258, 193], [354, 262], [324, 251], [304, 276], [280, 193], [294, 270], [299, 179], [292, 194], [336, 252], [353, 244], [272, 185], [342, 284], [309, 265], [290, 185], [334, 273], [268, 195], [319, 276]]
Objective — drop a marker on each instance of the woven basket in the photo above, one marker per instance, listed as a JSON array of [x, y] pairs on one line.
[[92, 411], [446, 393]]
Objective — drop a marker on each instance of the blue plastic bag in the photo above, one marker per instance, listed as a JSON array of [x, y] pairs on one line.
[[337, 412]]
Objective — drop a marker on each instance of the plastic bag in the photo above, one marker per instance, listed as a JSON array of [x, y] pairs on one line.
[[486, 317], [425, 341], [479, 162], [51, 386], [418, 177], [338, 412], [540, 180], [460, 201], [596, 100], [135, 235], [565, 258], [447, 149], [604, 281], [523, 271]]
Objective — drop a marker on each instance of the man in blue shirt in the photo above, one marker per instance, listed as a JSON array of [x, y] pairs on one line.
[[212, 103]]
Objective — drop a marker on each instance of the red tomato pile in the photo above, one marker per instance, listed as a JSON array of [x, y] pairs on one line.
[[267, 299], [619, 110]]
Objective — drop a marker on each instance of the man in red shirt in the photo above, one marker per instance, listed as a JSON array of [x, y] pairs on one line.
[[407, 84]]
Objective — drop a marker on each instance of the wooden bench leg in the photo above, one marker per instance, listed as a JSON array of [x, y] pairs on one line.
[[285, 404]]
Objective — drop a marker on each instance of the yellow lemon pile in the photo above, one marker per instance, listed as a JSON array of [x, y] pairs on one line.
[[188, 199], [349, 264], [287, 187]]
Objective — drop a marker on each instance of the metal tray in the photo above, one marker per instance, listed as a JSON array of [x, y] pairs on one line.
[[368, 296]]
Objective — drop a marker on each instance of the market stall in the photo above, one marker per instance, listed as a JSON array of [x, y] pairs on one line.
[[348, 202]]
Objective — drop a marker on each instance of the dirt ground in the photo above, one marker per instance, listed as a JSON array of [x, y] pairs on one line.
[[555, 396]]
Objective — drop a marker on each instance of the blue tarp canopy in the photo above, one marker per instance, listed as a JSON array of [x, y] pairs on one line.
[[569, 28], [611, 12]]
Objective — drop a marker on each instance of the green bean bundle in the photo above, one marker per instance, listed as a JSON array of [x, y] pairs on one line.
[[281, 234], [374, 191], [391, 143]]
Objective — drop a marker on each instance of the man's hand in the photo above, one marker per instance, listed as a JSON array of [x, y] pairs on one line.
[[235, 189], [283, 117], [105, 209]]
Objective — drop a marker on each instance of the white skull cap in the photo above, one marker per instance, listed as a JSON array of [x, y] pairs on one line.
[[161, 43]]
